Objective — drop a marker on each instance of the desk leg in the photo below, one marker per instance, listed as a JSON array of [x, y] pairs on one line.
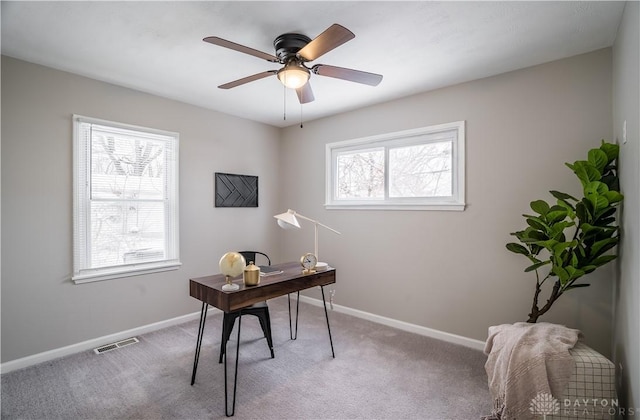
[[235, 378], [293, 337], [203, 318], [326, 314]]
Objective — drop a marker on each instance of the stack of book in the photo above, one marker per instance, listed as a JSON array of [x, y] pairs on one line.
[[266, 270]]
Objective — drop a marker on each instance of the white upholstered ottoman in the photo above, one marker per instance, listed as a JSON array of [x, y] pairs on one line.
[[591, 392]]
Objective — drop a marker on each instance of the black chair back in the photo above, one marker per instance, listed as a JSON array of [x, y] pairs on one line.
[[251, 256]]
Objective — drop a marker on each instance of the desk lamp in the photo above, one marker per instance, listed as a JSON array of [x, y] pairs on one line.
[[289, 220]]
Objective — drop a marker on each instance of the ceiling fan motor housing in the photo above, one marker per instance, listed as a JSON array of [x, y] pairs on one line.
[[287, 45]]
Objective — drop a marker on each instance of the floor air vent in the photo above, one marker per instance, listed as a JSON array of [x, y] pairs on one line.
[[113, 346]]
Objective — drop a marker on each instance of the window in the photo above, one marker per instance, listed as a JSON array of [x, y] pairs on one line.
[[421, 169], [125, 200]]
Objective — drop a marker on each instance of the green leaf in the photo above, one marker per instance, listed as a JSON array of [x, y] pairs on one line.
[[536, 234], [612, 181], [586, 228], [519, 234], [598, 158], [556, 215], [606, 213], [536, 223], [529, 232], [561, 273], [574, 260], [582, 212], [561, 246], [592, 172], [549, 244], [571, 210], [540, 207], [557, 230], [599, 202], [611, 150], [556, 207], [596, 187], [602, 260], [585, 172], [600, 247], [574, 273], [606, 232], [613, 196], [536, 266], [602, 223], [588, 205], [517, 248], [562, 196]]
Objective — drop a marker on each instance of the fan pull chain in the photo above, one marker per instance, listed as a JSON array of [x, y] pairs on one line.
[[284, 103], [301, 126]]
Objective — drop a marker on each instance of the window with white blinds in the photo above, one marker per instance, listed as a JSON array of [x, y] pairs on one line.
[[125, 200]]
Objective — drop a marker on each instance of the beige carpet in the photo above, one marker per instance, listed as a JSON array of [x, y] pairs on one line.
[[378, 373]]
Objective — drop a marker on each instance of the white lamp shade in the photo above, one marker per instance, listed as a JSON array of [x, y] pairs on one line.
[[287, 220], [285, 225]]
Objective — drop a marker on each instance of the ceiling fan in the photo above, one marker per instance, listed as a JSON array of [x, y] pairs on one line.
[[294, 51]]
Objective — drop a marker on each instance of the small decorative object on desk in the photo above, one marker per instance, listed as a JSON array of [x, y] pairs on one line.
[[308, 262], [266, 270], [231, 264], [251, 275], [322, 266]]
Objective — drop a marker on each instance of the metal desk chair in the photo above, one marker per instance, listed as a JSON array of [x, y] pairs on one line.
[[260, 310]]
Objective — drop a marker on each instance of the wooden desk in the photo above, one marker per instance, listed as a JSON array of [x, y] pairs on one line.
[[209, 290]]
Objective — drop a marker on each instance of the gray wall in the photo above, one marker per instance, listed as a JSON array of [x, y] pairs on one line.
[[41, 308], [450, 270], [443, 270], [626, 98]]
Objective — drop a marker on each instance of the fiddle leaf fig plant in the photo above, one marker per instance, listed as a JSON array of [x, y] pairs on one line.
[[566, 240]]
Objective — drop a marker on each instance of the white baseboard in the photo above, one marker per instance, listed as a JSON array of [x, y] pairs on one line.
[[96, 342], [100, 341], [401, 325]]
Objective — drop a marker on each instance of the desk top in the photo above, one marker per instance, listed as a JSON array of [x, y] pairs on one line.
[[209, 289]]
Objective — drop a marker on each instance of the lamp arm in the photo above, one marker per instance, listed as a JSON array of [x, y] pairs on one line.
[[315, 226], [327, 227], [316, 222]]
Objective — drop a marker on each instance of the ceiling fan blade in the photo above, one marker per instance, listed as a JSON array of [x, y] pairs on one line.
[[241, 48], [248, 79], [351, 75], [305, 94], [331, 38]]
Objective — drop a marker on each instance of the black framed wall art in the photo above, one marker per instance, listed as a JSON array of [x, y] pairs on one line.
[[233, 190]]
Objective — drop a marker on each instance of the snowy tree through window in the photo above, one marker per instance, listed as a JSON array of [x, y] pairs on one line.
[[413, 169], [125, 206]]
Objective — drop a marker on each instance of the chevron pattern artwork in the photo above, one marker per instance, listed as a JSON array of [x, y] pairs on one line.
[[234, 190]]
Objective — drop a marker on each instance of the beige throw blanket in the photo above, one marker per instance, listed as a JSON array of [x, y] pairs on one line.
[[526, 360]]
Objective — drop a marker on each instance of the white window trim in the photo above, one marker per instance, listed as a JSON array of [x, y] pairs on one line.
[[80, 190], [454, 203]]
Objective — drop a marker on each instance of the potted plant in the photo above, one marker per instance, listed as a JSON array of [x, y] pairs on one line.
[[569, 239]]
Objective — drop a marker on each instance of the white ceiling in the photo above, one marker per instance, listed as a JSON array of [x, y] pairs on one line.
[[157, 47]]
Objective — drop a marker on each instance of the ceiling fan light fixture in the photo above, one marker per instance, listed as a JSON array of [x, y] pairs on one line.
[[293, 76]]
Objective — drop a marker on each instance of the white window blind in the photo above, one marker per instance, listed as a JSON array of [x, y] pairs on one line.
[[125, 200]]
